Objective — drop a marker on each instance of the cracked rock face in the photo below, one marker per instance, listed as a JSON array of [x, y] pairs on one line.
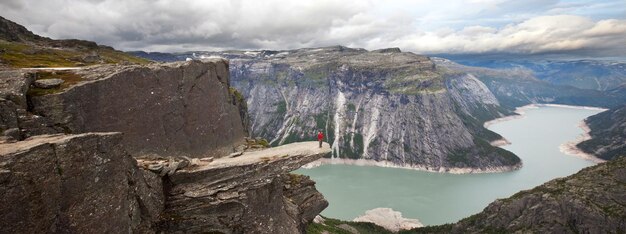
[[168, 109], [71, 183], [252, 193]]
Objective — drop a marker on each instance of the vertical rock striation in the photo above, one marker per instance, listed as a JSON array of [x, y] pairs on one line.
[[385, 106]]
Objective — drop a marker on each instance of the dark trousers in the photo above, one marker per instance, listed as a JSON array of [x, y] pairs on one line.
[[320, 143]]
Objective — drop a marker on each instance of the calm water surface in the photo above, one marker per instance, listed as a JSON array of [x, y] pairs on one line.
[[437, 198]]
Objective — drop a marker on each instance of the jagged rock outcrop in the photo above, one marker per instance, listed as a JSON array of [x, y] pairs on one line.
[[608, 132], [82, 183], [16, 122], [383, 105], [180, 108], [251, 193], [590, 201]]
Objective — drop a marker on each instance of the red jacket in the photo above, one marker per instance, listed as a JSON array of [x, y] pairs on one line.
[[320, 136]]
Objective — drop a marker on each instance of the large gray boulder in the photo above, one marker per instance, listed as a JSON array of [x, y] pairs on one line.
[[82, 183], [178, 109]]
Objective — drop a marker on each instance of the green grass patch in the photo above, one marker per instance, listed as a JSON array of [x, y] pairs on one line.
[[333, 226], [281, 107], [23, 55]]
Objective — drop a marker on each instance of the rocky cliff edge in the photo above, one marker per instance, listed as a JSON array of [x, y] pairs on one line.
[[67, 157]]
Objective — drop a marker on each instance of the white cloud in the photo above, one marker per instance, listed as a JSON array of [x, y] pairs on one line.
[[423, 26], [544, 34]]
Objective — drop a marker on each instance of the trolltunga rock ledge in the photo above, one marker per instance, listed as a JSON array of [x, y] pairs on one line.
[[251, 193]]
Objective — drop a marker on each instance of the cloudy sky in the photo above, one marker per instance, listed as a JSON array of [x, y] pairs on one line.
[[587, 27]]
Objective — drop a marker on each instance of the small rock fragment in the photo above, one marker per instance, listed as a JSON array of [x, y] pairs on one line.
[[48, 83], [13, 134]]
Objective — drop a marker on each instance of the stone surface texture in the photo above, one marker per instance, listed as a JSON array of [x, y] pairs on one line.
[[182, 108]]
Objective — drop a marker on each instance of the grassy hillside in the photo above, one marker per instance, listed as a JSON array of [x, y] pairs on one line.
[[21, 55], [20, 48]]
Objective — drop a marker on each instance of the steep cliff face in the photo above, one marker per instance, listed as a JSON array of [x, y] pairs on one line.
[[590, 201], [608, 132], [381, 105], [174, 109]]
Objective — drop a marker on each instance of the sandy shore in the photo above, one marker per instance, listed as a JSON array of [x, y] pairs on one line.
[[570, 148], [452, 170], [501, 142]]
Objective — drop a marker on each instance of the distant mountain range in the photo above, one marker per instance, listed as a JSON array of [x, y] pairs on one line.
[[602, 75]]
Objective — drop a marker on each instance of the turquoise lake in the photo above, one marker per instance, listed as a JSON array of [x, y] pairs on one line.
[[438, 198]]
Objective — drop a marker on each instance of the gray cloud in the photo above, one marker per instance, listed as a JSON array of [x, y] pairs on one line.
[[429, 26]]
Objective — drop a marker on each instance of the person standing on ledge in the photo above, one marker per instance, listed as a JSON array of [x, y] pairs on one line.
[[320, 137]]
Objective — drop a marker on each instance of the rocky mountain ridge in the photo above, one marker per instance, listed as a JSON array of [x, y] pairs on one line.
[[19, 47], [595, 74], [515, 87]]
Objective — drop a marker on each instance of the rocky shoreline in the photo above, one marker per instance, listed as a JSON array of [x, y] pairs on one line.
[[366, 162], [570, 147]]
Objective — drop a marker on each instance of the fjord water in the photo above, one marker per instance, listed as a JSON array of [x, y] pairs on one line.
[[437, 198]]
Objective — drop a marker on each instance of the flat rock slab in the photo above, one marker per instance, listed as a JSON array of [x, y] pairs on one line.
[[48, 83], [309, 150], [250, 189]]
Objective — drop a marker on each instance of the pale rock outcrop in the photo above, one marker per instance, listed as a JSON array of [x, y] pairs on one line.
[[389, 219]]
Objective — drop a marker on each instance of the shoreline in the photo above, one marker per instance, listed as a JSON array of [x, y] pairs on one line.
[[369, 162], [568, 148], [571, 149], [520, 111]]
